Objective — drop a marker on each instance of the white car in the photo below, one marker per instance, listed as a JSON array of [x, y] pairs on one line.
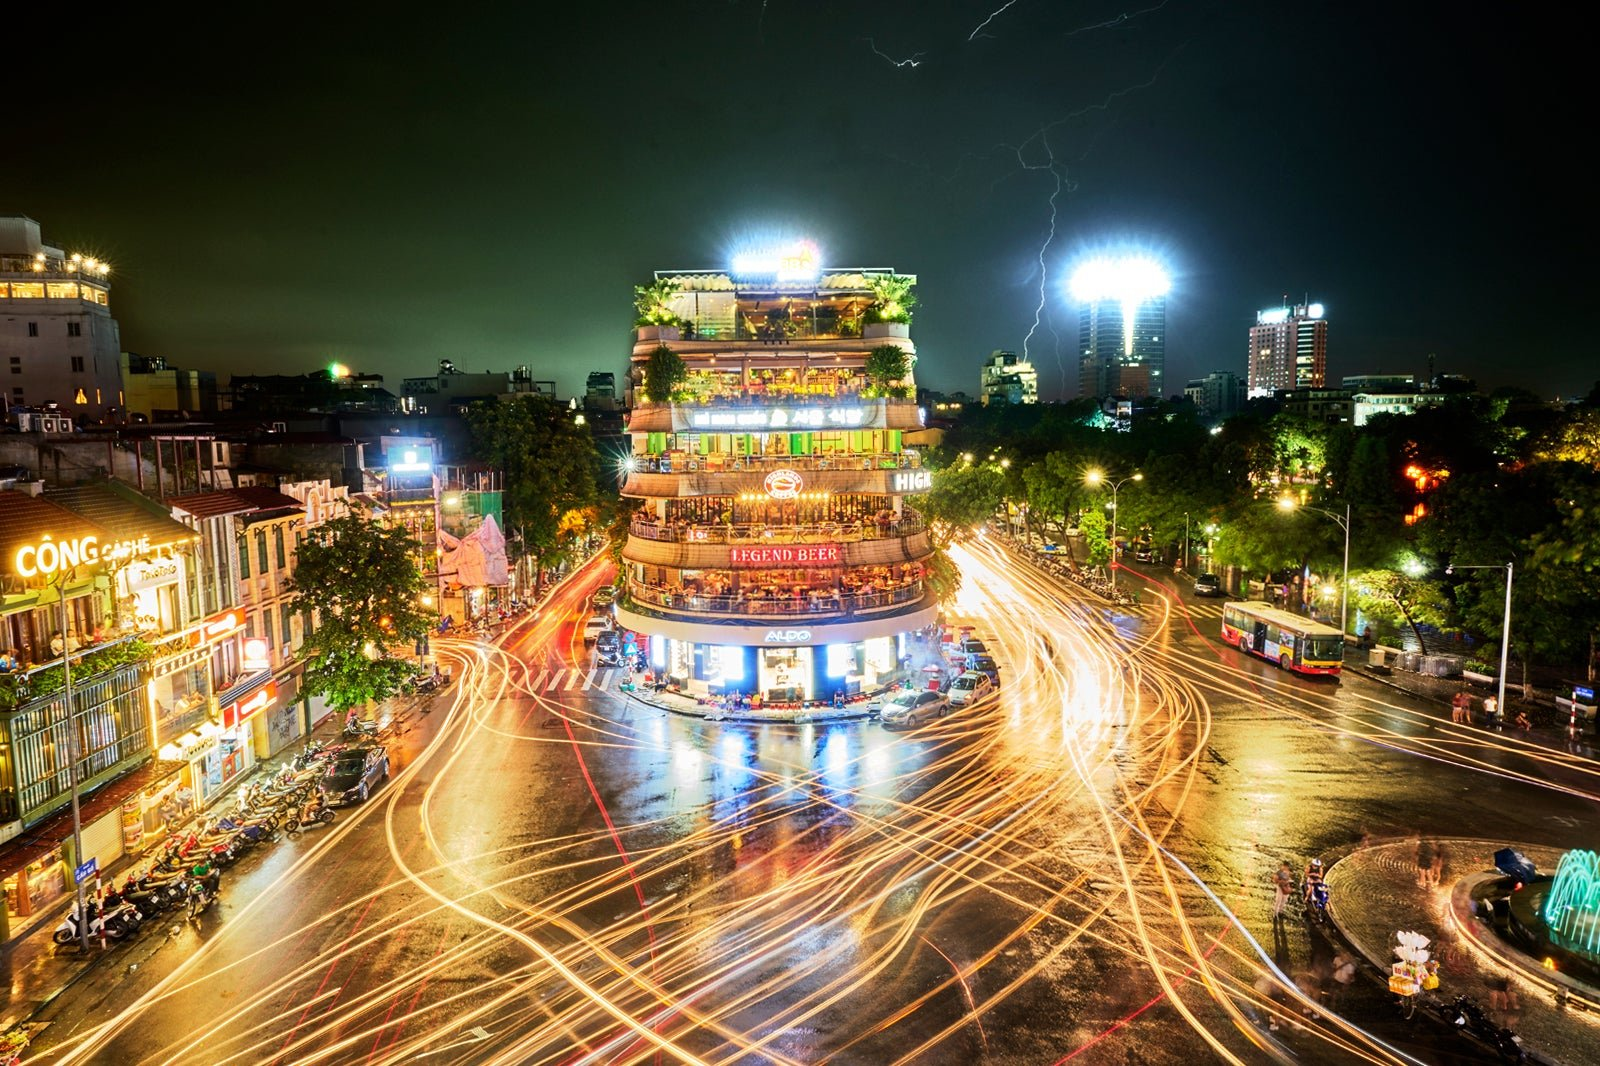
[[970, 687], [913, 707], [594, 627]]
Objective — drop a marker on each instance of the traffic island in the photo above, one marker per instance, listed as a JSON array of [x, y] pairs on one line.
[[1377, 891]]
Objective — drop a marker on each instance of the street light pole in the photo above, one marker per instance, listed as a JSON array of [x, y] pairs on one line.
[[1095, 477], [1505, 626], [72, 762], [1186, 540], [1289, 503]]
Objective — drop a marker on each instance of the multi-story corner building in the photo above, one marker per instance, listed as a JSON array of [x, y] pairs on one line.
[[1005, 379], [58, 341], [1218, 396], [1288, 349], [1122, 328], [165, 393], [773, 552]]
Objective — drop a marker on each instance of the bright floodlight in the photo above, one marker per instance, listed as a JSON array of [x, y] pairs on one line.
[[1286, 503], [1130, 279]]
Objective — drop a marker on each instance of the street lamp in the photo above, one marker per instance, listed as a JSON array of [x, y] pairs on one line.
[[1289, 503], [1095, 477], [74, 753], [1505, 626]]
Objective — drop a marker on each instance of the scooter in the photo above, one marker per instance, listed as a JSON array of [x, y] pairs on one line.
[[356, 729], [315, 813], [1466, 1017], [1317, 903], [68, 930], [204, 882]]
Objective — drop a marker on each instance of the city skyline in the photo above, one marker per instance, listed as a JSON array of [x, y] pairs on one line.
[[396, 196]]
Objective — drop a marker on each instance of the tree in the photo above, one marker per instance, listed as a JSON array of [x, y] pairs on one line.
[[1096, 533], [357, 586], [941, 575], [892, 298], [963, 496], [549, 464], [887, 368], [664, 373], [653, 302], [1396, 597]]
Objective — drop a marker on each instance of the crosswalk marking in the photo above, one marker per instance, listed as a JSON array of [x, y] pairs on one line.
[[555, 680], [539, 681], [572, 679]]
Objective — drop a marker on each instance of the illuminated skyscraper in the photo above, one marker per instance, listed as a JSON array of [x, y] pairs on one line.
[[1122, 327], [1288, 349]]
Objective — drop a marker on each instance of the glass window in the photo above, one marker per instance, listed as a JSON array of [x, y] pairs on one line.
[[62, 290], [269, 632], [74, 329], [277, 538], [27, 290], [261, 551], [285, 635], [244, 556]]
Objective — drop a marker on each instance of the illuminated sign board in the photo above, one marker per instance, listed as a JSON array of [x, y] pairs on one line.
[[411, 459], [785, 555], [779, 418], [255, 654], [1274, 317], [153, 574], [251, 705], [913, 481], [800, 261], [784, 484], [787, 636], [51, 556], [216, 627]]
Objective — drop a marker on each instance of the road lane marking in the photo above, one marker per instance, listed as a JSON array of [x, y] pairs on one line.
[[539, 681], [555, 681]]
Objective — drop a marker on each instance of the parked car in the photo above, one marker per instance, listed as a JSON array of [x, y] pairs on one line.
[[1143, 553], [596, 625], [608, 648], [913, 707], [1208, 585], [970, 687], [985, 665], [354, 774]]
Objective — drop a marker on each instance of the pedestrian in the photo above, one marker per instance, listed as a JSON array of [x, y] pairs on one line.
[[1491, 712], [169, 814], [1424, 861], [185, 799], [1283, 887], [1458, 707], [1521, 721], [1344, 974], [1440, 855]]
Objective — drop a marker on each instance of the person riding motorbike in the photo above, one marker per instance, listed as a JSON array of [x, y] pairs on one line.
[[1313, 878]]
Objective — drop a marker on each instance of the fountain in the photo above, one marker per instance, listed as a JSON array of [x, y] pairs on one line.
[[1571, 907]]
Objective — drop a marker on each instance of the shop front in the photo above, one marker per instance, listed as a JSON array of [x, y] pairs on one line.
[[788, 674]]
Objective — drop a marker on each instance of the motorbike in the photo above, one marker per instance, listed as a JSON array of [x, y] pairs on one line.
[[150, 897], [315, 813], [1465, 1016], [111, 923], [204, 882], [1316, 903], [356, 729]]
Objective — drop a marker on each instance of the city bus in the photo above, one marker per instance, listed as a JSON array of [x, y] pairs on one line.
[[1294, 643]]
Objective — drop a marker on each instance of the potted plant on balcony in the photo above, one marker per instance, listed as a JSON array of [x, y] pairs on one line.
[[657, 321], [889, 314], [664, 375], [887, 367]]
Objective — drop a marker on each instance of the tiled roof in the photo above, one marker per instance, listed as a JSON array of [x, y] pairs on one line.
[[126, 514], [25, 519], [251, 499]]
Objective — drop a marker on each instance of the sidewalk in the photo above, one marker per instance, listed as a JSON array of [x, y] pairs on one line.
[[1373, 893], [35, 971]]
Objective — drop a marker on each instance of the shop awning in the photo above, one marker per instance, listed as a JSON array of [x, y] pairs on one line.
[[124, 512], [26, 519], [50, 834]]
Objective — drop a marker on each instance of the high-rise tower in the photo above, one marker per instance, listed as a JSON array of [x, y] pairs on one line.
[[1288, 349], [1122, 327]]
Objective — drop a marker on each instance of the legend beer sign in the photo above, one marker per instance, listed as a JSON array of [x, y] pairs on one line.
[[785, 555]]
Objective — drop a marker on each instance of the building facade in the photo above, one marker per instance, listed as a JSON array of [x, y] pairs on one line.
[[1218, 396], [1122, 347], [1288, 349], [772, 552], [58, 342], [1005, 379], [163, 393]]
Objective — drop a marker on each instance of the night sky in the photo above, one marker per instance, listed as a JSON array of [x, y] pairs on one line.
[[285, 188]]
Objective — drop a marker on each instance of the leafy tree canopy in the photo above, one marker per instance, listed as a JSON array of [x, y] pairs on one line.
[[664, 374], [549, 463], [357, 585]]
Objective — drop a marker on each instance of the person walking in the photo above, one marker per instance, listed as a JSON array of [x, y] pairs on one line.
[[1441, 855], [1491, 712], [1283, 886], [1424, 861]]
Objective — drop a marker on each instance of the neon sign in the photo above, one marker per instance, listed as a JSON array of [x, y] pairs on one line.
[[800, 261], [784, 484], [51, 556], [255, 654], [785, 555], [913, 481], [786, 636], [779, 418], [250, 705]]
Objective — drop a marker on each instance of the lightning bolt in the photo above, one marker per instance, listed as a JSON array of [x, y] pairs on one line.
[[996, 13], [914, 61], [1119, 20]]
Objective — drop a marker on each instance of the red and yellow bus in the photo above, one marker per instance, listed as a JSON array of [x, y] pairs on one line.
[[1294, 643]]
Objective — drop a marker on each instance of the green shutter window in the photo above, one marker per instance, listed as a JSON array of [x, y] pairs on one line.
[[261, 551], [277, 542], [244, 555]]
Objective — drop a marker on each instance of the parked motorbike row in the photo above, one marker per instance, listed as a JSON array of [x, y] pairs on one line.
[[1091, 580], [185, 871]]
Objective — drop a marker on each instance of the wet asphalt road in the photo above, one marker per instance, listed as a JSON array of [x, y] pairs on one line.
[[559, 873]]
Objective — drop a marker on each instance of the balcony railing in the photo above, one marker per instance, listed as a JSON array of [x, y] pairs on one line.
[[815, 604], [684, 462], [826, 532]]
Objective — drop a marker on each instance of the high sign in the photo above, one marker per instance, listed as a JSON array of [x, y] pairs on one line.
[[242, 710], [784, 484], [913, 480], [50, 556], [410, 459], [152, 574], [785, 555], [800, 261], [779, 418]]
